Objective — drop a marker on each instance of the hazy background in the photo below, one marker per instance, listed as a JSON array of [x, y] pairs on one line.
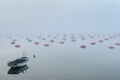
[[26, 16], [61, 61]]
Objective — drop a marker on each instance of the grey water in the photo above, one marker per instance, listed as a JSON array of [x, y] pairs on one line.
[[62, 61]]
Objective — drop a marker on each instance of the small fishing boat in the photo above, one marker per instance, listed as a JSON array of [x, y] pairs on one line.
[[22, 61]]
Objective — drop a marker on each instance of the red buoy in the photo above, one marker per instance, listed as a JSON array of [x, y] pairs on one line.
[[51, 40], [83, 46], [100, 41], [118, 44], [17, 46], [93, 43], [61, 42], [46, 45], [111, 47], [36, 43], [73, 40]]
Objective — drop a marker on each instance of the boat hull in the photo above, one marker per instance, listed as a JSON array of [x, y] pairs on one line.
[[17, 65], [18, 62]]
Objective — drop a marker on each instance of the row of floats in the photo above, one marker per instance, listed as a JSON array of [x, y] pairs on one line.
[[67, 37]]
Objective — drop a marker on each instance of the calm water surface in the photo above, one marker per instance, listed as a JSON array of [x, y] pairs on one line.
[[62, 61]]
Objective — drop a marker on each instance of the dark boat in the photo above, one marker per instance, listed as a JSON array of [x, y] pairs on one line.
[[19, 62]]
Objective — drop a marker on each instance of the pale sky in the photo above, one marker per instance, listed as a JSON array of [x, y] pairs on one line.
[[48, 16]]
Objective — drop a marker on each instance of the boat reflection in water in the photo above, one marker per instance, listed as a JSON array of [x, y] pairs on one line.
[[18, 70]]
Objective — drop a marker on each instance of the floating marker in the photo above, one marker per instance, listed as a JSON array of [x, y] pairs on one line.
[[93, 43], [100, 41], [83, 46], [111, 47], [46, 45], [12, 42], [17, 46], [61, 42], [36, 43]]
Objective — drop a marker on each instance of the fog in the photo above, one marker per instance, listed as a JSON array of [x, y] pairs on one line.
[[85, 39], [27, 16]]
